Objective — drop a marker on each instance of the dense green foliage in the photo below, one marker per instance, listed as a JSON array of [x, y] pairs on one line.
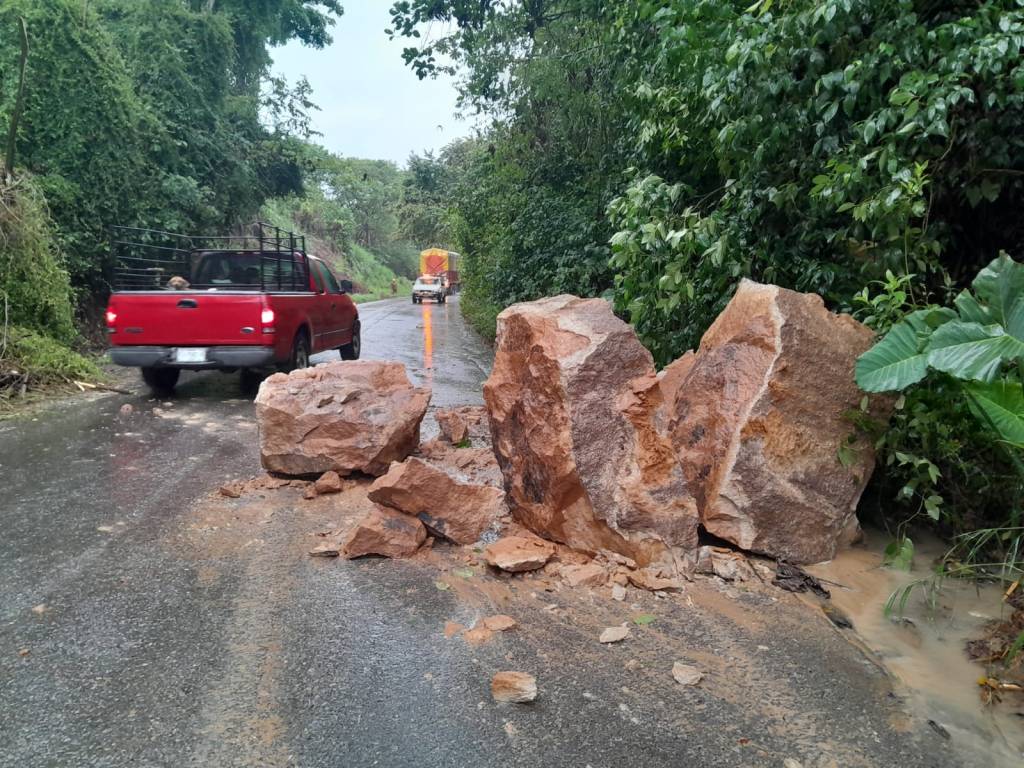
[[149, 114], [863, 150]]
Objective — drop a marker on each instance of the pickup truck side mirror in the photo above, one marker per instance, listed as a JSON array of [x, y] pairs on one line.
[[346, 286]]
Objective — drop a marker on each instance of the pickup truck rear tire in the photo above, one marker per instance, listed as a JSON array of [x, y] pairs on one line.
[[351, 350], [415, 300], [299, 357], [161, 380]]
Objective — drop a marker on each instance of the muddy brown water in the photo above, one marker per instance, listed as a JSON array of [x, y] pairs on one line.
[[923, 648]]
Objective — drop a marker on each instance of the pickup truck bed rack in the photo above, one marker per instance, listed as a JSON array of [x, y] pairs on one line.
[[147, 259]]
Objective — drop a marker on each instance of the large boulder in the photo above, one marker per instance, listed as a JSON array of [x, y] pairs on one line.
[[578, 426], [447, 497], [351, 416], [759, 419]]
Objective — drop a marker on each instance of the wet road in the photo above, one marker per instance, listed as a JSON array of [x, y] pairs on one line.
[[146, 622]]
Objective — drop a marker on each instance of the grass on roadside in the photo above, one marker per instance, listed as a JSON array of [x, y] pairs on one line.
[[31, 363]]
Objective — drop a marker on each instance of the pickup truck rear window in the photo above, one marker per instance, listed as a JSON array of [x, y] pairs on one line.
[[246, 271]]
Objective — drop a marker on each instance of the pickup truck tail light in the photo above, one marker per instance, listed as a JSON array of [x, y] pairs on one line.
[[267, 320], [111, 318]]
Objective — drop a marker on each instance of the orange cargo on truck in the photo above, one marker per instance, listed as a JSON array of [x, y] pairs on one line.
[[437, 261]]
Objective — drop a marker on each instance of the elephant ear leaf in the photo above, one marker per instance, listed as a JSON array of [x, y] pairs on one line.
[[971, 311], [1000, 285], [899, 359], [972, 351], [1000, 404]]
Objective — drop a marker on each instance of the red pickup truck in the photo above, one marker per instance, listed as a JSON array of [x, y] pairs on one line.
[[228, 303]]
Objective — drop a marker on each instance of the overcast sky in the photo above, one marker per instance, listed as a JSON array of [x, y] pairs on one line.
[[372, 105]]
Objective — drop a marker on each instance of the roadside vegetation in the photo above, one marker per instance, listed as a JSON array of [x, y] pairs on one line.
[[658, 152]]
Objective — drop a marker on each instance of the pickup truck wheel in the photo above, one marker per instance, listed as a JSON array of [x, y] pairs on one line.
[[161, 380], [351, 350], [300, 354], [415, 300]]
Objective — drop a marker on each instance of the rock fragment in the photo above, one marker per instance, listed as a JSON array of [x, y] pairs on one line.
[[724, 563], [466, 423], [686, 674], [386, 533], [614, 634], [443, 498], [653, 582], [515, 687], [499, 623], [516, 553], [370, 417], [329, 482], [589, 575], [326, 549]]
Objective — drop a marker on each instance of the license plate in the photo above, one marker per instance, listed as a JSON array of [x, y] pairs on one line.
[[190, 355]]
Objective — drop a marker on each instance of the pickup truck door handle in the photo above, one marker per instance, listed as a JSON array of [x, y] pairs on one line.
[[188, 303]]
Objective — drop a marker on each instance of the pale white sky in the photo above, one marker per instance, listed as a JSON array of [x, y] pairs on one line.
[[372, 105]]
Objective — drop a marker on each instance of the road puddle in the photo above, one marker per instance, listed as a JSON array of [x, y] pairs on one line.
[[924, 648]]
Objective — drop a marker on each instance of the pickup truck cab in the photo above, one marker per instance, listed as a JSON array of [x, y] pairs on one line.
[[429, 287], [227, 308]]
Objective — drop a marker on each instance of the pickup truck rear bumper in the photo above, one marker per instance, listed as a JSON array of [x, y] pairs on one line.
[[216, 357]]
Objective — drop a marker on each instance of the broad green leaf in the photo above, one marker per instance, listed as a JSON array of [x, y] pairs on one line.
[[970, 310], [1000, 285], [898, 360], [1000, 405], [899, 554], [972, 351]]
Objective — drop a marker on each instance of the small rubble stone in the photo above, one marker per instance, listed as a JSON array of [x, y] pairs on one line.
[[516, 554], [614, 634], [618, 592], [478, 635], [499, 623], [326, 549], [651, 581], [329, 482], [310, 492], [725, 563], [230, 490], [127, 409], [686, 674], [590, 575], [515, 687], [386, 533]]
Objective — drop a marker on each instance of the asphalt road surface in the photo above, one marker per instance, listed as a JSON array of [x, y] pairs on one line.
[[145, 621]]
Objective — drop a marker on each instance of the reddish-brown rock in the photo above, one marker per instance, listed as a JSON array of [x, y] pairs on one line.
[[448, 502], [759, 418], [386, 533], [517, 687], [578, 426], [468, 422], [329, 482], [588, 575], [516, 553], [349, 416]]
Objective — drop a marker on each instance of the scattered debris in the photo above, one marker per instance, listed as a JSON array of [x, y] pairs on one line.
[[40, 609], [516, 687], [516, 553], [725, 564], [652, 581], [452, 628], [939, 729], [686, 674], [231, 490], [589, 575], [372, 418], [23, 652], [478, 635], [614, 634], [458, 425], [386, 533], [328, 482], [499, 623], [793, 578], [127, 409], [326, 549], [618, 592]]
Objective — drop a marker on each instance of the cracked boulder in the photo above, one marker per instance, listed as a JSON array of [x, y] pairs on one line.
[[385, 533], [351, 416], [760, 418], [579, 428], [447, 495]]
